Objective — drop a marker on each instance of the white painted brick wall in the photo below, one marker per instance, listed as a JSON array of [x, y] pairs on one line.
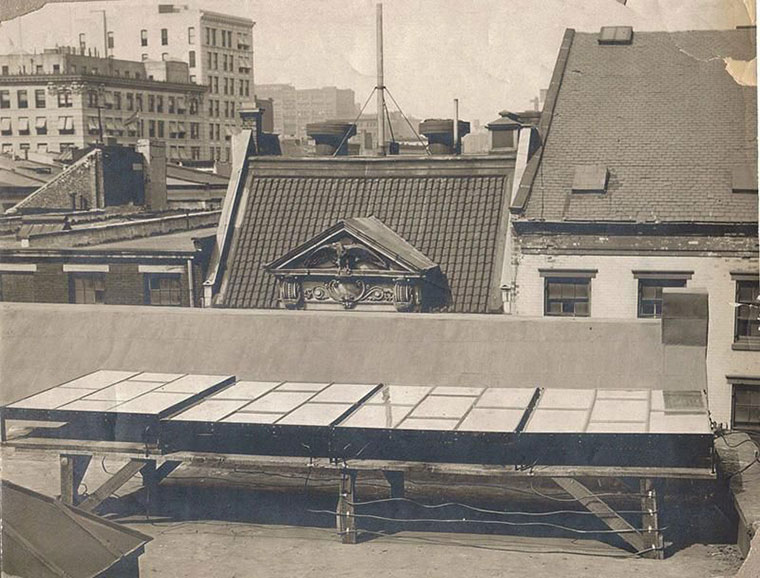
[[614, 294]]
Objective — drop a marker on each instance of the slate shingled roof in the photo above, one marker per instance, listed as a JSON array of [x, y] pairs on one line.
[[667, 120], [452, 210]]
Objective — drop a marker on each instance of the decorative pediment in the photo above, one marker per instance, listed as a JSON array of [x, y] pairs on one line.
[[355, 263]]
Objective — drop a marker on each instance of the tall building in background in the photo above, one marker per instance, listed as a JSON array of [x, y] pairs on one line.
[[59, 100], [295, 108], [217, 48]]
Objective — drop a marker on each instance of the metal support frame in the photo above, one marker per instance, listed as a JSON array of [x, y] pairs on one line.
[[345, 519]]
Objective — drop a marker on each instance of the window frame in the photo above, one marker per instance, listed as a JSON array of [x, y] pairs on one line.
[[174, 293], [87, 276], [752, 385], [745, 342], [567, 277]]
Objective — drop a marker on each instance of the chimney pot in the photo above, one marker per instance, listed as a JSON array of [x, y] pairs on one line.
[[440, 134], [330, 135]]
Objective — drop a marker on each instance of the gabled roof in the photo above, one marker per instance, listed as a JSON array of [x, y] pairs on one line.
[[451, 210], [667, 118], [44, 537], [372, 232]]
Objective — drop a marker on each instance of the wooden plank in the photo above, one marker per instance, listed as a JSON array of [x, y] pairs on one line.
[[345, 519], [112, 484], [652, 535], [602, 511], [283, 462], [73, 469]]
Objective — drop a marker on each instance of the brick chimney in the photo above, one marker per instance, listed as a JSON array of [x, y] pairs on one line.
[[440, 135], [331, 136], [154, 173]]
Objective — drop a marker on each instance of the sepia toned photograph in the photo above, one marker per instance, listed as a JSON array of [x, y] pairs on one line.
[[379, 288]]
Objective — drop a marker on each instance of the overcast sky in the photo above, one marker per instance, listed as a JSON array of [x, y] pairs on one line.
[[491, 54]]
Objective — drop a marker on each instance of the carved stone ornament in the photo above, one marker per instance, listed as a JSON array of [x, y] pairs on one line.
[[290, 293]]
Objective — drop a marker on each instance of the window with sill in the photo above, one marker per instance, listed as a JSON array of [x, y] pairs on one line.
[[745, 411], [87, 288], [163, 289], [747, 317], [567, 293]]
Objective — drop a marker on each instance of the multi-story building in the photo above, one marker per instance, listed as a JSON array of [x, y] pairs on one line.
[[59, 100], [283, 97], [295, 108], [217, 48], [642, 183]]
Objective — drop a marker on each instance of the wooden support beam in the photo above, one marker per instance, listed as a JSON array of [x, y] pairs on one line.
[[114, 483], [346, 522], [166, 468], [396, 481], [73, 469], [602, 511], [654, 541]]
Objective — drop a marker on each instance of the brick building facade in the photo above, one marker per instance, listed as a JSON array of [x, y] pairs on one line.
[[60, 100]]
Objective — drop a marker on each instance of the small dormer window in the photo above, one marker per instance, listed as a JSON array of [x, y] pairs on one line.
[[590, 179], [616, 35]]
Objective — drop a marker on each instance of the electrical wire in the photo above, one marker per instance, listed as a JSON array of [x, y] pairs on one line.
[[745, 468], [419, 138], [485, 510], [358, 116], [487, 522]]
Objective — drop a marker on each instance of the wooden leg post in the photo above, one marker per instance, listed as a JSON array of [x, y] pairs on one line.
[[396, 481], [654, 541], [346, 521], [150, 483], [73, 468]]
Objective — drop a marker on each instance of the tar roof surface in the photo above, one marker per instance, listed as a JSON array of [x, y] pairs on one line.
[[455, 218], [667, 120]]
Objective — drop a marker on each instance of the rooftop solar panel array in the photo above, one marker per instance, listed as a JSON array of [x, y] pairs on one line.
[[214, 413]]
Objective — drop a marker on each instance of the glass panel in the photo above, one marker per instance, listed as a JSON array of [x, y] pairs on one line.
[[581, 290], [581, 309], [555, 290]]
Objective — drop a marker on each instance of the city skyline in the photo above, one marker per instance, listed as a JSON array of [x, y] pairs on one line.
[[491, 55]]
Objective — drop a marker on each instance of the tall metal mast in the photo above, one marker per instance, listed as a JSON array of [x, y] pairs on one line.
[[380, 85]]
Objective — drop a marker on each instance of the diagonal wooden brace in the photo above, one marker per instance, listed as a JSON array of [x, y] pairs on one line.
[[605, 513], [115, 482]]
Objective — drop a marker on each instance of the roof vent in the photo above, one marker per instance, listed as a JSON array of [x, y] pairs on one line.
[[744, 179], [616, 35], [590, 179]]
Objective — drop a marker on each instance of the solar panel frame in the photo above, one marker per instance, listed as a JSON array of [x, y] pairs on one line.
[[105, 424], [246, 432]]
